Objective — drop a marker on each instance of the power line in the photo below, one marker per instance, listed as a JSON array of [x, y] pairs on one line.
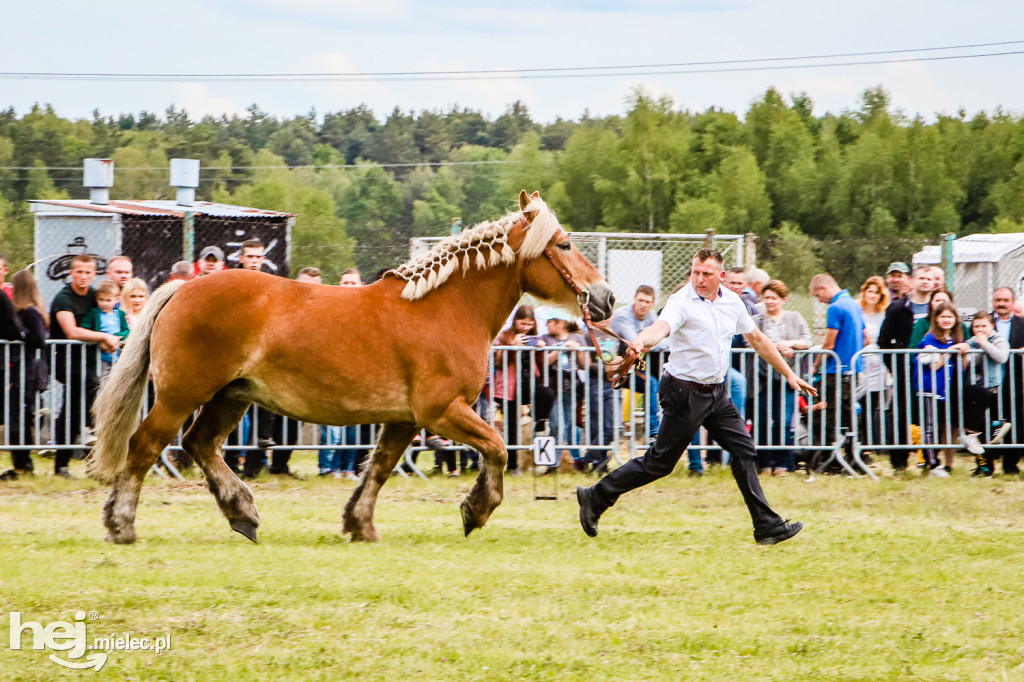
[[313, 167], [536, 73]]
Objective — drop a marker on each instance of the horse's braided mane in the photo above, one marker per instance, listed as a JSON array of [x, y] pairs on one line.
[[432, 269]]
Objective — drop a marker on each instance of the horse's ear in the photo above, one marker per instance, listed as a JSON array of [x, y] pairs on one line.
[[523, 199]]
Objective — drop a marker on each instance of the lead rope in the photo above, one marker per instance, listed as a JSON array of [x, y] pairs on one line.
[[620, 375]]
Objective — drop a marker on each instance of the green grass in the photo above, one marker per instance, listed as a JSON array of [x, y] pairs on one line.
[[895, 580]]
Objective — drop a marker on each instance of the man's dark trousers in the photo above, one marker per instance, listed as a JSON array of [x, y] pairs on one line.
[[686, 406]]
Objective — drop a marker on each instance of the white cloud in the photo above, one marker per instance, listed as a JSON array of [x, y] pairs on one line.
[[198, 102]]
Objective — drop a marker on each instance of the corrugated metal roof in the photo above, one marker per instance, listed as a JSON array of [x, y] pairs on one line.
[[975, 248], [160, 208]]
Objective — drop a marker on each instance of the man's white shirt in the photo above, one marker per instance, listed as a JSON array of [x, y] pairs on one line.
[[701, 333]]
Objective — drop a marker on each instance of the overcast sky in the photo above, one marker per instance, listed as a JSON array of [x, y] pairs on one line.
[[345, 36]]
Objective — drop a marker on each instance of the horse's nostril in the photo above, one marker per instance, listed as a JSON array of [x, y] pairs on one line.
[[611, 301]]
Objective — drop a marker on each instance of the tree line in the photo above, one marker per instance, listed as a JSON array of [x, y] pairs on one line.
[[844, 190]]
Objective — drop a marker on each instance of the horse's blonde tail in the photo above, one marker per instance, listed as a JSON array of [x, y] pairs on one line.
[[118, 406]]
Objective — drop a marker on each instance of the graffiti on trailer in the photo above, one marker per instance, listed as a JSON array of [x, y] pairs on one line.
[[60, 267]]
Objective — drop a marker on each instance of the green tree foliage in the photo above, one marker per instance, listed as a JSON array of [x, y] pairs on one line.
[[793, 257], [318, 236], [865, 184], [648, 164]]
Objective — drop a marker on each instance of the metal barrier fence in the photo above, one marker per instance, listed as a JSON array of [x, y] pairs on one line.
[[529, 391], [903, 401], [935, 393]]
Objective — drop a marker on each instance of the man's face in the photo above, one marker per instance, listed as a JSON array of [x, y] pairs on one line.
[[642, 304], [251, 258], [209, 265], [119, 270], [1002, 302], [82, 275], [923, 281], [897, 281], [936, 277], [822, 293], [735, 281], [706, 276], [351, 279]]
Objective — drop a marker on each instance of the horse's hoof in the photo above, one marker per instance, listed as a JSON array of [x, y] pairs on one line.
[[246, 528], [120, 538], [468, 518]]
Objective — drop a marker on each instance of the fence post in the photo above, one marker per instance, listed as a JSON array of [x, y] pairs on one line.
[[709, 238], [749, 251], [947, 260], [188, 237]]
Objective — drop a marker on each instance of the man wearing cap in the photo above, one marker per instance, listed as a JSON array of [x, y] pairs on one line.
[[897, 278], [211, 260], [895, 334], [699, 322]]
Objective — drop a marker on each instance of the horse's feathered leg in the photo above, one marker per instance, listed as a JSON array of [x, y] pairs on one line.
[[460, 423], [156, 431], [358, 516], [216, 420]]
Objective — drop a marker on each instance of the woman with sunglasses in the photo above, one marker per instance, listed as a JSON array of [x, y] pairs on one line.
[[788, 330]]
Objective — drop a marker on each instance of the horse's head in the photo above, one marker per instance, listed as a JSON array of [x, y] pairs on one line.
[[553, 269]]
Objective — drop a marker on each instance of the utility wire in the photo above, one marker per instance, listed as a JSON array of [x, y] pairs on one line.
[[536, 73], [346, 165]]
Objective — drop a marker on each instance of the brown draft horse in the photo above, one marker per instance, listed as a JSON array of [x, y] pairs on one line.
[[409, 351]]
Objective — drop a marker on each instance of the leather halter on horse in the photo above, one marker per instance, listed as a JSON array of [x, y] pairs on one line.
[[619, 374]]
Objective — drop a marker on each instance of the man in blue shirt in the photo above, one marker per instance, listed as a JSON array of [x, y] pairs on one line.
[[844, 337], [629, 321]]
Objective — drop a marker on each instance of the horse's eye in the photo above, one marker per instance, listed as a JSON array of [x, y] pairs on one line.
[[564, 246]]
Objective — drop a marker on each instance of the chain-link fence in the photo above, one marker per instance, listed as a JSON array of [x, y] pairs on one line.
[[627, 260], [155, 235], [978, 264]]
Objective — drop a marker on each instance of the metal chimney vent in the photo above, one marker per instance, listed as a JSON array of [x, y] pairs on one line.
[[185, 176], [98, 176]]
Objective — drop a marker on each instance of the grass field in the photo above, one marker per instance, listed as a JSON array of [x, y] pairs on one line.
[[896, 580]]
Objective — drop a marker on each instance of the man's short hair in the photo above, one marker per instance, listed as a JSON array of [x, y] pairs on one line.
[[918, 268], [645, 289], [182, 268], [119, 257], [83, 258], [737, 270], [352, 271], [310, 272], [1013, 297], [706, 254], [823, 279], [108, 287], [252, 244], [758, 276]]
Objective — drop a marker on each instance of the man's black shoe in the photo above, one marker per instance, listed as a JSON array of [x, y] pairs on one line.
[[588, 511], [779, 533]]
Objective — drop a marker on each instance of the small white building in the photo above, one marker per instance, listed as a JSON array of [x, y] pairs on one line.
[[981, 264]]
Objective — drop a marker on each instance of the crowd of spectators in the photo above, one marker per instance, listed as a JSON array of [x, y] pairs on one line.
[[551, 383]]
